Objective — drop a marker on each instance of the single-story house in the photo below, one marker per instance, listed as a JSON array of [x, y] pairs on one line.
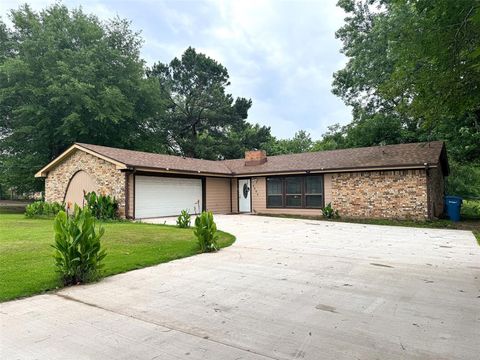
[[403, 181]]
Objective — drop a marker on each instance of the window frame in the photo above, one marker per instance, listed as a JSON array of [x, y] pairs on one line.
[[303, 194], [281, 194], [286, 194]]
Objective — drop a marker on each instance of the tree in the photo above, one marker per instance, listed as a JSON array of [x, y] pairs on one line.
[[202, 120], [301, 142], [413, 72], [65, 77]]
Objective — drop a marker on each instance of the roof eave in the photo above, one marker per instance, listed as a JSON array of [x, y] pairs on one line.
[[332, 170]]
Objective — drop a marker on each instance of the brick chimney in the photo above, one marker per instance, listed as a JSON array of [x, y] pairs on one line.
[[255, 157]]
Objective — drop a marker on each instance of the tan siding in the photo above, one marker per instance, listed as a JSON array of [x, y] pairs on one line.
[[437, 190], [218, 195], [80, 184], [234, 195], [327, 188], [131, 196]]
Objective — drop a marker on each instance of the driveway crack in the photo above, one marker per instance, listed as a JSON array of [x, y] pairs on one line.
[[170, 328]]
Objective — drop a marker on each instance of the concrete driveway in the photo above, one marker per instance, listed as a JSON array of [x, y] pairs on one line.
[[287, 289]]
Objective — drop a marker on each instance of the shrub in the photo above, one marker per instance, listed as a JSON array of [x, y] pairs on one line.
[[471, 209], [329, 212], [183, 221], [103, 207], [42, 208], [78, 253], [206, 232]]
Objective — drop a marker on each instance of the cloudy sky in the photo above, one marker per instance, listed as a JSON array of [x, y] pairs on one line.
[[281, 54]]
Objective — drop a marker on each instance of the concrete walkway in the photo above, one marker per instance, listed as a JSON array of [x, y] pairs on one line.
[[287, 289]]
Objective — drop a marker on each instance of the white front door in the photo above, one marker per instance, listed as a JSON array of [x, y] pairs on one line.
[[244, 204], [157, 196]]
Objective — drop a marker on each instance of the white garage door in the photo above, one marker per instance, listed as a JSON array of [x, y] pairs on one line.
[[166, 196]]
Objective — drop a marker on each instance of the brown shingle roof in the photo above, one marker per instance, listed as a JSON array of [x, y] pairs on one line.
[[391, 156], [401, 156], [159, 161]]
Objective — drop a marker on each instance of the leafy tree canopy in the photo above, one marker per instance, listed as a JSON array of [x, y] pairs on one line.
[[413, 73], [202, 120], [65, 77], [300, 142]]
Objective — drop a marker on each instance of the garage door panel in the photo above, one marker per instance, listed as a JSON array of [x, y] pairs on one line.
[[166, 196]]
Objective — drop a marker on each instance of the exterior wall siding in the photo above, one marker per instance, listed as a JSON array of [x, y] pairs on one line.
[[108, 179], [437, 191], [218, 198], [131, 195], [327, 188], [399, 194], [234, 195]]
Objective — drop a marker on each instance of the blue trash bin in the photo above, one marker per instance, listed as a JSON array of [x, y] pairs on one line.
[[452, 207]]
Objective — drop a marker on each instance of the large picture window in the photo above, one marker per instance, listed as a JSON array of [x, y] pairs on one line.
[[295, 191]]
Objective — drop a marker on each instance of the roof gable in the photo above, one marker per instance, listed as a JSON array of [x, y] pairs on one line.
[[63, 156]]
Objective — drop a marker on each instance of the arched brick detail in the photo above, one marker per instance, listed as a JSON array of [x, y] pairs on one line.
[[110, 181]]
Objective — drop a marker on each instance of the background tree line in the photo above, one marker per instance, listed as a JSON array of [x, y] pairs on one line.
[[413, 75]]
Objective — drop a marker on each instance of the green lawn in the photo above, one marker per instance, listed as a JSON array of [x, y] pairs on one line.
[[26, 262]]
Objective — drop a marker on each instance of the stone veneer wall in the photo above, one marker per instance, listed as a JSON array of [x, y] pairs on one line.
[[399, 194], [108, 179]]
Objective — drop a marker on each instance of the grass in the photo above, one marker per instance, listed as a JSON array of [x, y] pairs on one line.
[[26, 262], [477, 235]]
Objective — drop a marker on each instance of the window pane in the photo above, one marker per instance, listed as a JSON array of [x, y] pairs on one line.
[[313, 201], [294, 200], [294, 185], [274, 186], [274, 201], [314, 185]]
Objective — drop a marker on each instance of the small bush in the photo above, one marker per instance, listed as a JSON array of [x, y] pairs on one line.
[[78, 253], [206, 232], [103, 207], [329, 212], [183, 220], [42, 208]]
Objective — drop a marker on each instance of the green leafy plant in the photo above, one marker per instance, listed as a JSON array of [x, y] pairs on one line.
[[78, 252], [183, 220], [329, 212], [42, 208], [103, 207], [206, 232]]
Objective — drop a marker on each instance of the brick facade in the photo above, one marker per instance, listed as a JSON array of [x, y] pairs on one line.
[[108, 179], [399, 194]]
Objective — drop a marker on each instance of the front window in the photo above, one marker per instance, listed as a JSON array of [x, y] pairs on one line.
[[314, 191], [274, 192], [295, 191]]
